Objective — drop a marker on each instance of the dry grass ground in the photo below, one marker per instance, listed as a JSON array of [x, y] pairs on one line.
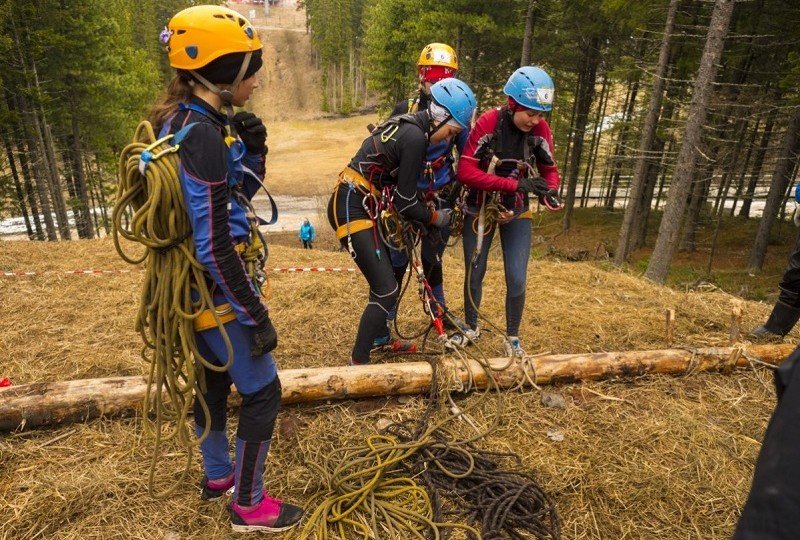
[[653, 458]]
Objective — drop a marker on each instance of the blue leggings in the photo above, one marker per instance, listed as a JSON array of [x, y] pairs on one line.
[[257, 382], [515, 240]]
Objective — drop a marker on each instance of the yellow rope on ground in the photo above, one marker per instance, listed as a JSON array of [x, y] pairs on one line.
[[150, 211]]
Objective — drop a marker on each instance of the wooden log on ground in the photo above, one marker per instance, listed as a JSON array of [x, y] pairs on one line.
[[43, 404]]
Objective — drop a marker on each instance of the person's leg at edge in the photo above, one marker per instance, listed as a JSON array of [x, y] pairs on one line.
[[515, 239], [786, 311], [215, 448], [383, 292], [477, 272], [399, 262], [432, 251], [257, 382]]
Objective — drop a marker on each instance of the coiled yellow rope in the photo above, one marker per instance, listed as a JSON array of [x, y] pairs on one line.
[[150, 211]]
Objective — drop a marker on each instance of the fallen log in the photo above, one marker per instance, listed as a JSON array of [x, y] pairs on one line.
[[43, 404]]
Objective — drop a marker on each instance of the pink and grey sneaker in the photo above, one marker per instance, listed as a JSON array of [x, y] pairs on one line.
[[211, 490], [270, 515]]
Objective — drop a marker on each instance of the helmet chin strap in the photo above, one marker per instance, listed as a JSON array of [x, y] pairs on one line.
[[437, 127], [226, 95]]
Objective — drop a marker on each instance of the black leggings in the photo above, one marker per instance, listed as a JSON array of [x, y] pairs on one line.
[[378, 271], [790, 284]]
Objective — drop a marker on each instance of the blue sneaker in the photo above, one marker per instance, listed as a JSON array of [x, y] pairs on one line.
[[396, 346]]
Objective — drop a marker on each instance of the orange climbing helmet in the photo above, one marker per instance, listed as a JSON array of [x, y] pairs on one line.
[[198, 35]]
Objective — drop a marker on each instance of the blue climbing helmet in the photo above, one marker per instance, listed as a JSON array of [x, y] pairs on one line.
[[455, 96], [531, 87]]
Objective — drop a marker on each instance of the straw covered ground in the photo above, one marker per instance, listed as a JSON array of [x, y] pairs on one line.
[[652, 458]]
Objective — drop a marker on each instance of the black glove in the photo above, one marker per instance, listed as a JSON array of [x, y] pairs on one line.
[[541, 150], [265, 339], [536, 185], [252, 131], [441, 218]]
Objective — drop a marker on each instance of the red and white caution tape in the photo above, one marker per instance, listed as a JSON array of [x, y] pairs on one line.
[[91, 271], [311, 269]]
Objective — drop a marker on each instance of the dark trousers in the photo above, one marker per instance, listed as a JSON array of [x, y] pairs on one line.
[[790, 284], [772, 510]]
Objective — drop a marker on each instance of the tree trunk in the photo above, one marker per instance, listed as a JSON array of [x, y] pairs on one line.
[[780, 182], [620, 151], [23, 206], [102, 196], [29, 191], [570, 133], [669, 230], [41, 404], [700, 188], [528, 35], [740, 184], [637, 187], [56, 190], [591, 59], [39, 173], [28, 121], [72, 192], [595, 143], [51, 165], [79, 179], [758, 163], [641, 220]]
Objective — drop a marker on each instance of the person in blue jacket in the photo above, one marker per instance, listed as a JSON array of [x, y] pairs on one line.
[[437, 61], [307, 234], [217, 53]]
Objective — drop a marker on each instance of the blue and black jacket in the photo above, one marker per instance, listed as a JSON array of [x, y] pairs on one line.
[[209, 173]]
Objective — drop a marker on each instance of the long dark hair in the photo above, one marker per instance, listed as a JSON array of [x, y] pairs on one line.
[[178, 91]]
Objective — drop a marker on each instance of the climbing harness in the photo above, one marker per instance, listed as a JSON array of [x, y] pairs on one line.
[[177, 299]]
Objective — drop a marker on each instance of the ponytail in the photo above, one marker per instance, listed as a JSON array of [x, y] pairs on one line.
[[178, 91]]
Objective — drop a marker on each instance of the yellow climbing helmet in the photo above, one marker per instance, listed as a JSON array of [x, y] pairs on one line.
[[199, 35], [438, 54]]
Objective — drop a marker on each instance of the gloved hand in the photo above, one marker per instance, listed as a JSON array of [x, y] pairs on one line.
[[252, 131], [536, 185], [265, 339], [541, 150], [441, 218]]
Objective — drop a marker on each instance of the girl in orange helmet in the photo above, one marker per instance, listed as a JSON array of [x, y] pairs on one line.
[[217, 54]]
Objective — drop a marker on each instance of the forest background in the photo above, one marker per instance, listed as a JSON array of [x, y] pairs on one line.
[[676, 122]]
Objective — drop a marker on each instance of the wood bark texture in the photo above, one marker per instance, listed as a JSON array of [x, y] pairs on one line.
[[54, 403]]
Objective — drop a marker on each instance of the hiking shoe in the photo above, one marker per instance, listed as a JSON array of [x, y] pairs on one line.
[[396, 346], [462, 338], [270, 515], [762, 333], [211, 490], [454, 324], [513, 347]]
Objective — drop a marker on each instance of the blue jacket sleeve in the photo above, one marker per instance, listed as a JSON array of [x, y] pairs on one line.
[[203, 173]]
